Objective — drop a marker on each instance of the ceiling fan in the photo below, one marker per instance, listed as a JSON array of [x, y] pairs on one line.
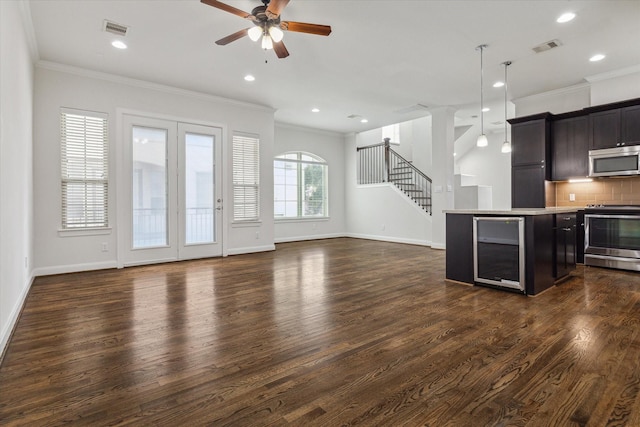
[[267, 25]]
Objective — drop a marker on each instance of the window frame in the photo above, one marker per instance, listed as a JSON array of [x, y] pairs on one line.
[[84, 155], [299, 162]]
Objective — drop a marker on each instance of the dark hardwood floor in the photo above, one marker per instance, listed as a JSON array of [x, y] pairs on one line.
[[327, 333]]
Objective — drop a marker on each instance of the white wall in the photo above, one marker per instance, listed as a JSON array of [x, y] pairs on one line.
[[59, 86], [16, 186], [616, 87], [557, 101], [490, 167], [329, 146]]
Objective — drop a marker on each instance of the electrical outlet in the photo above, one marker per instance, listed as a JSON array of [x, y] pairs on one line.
[[26, 262], [572, 197], [383, 227], [105, 247], [257, 234]]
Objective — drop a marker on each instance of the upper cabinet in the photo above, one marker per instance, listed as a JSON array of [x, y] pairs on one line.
[[630, 125], [530, 154], [614, 127], [530, 140], [570, 148]]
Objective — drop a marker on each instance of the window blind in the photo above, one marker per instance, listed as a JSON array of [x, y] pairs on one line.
[[84, 155], [246, 177]]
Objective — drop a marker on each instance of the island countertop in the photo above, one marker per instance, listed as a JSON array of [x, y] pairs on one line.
[[513, 212]]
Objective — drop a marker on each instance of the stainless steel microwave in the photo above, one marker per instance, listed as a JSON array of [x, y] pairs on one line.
[[615, 161]]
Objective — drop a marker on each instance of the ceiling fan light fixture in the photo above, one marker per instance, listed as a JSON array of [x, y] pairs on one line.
[[267, 43], [255, 33], [276, 34]]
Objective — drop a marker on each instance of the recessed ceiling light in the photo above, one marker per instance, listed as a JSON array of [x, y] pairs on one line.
[[565, 17], [364, 121], [315, 110], [596, 58], [498, 84], [485, 109], [455, 154], [249, 78], [118, 44]]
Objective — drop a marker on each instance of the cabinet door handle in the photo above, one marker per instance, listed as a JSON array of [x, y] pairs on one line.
[[567, 218], [622, 143], [566, 229]]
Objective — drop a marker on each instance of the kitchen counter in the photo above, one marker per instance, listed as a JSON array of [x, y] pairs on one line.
[[514, 212], [548, 246]]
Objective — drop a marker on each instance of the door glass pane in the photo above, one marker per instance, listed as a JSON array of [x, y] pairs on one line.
[[199, 189], [149, 187]]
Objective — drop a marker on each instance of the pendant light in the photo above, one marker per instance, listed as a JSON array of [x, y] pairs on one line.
[[506, 145], [482, 139]]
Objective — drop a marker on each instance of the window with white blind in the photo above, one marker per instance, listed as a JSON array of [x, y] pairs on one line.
[[300, 186], [85, 164], [246, 177]]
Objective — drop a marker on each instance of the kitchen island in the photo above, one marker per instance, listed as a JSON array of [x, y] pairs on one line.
[[543, 253]]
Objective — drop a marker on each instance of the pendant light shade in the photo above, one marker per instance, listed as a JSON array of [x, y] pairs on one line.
[[506, 145], [482, 139]]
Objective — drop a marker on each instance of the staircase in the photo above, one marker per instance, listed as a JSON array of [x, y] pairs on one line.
[[380, 163]]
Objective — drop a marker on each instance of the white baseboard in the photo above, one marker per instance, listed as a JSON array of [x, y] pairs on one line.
[[74, 268], [311, 237], [390, 239], [438, 246], [248, 250], [5, 335]]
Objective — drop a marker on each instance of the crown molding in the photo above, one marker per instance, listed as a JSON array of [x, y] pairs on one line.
[[613, 74], [113, 78], [553, 93], [324, 132]]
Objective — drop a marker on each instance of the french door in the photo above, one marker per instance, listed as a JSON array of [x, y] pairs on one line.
[[172, 178]]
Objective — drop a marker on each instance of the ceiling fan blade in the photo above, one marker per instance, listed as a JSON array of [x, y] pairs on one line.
[[275, 8], [227, 8], [303, 27], [232, 37], [280, 50]]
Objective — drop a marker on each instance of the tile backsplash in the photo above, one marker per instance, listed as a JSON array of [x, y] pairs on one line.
[[606, 191]]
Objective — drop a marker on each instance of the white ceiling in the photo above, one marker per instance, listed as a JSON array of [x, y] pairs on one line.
[[382, 56]]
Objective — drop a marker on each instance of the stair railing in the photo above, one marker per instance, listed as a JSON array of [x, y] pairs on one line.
[[380, 163]]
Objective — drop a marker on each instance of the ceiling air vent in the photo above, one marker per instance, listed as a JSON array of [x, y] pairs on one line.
[[547, 46], [112, 27]]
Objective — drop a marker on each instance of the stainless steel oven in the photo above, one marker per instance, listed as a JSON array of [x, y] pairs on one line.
[[612, 237]]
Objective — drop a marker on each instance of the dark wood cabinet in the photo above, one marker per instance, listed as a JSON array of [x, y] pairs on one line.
[[530, 141], [570, 148], [565, 245], [614, 128], [530, 154], [528, 186], [604, 129], [630, 125], [459, 244]]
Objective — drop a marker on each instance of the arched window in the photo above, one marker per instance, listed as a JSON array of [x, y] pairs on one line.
[[300, 186]]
